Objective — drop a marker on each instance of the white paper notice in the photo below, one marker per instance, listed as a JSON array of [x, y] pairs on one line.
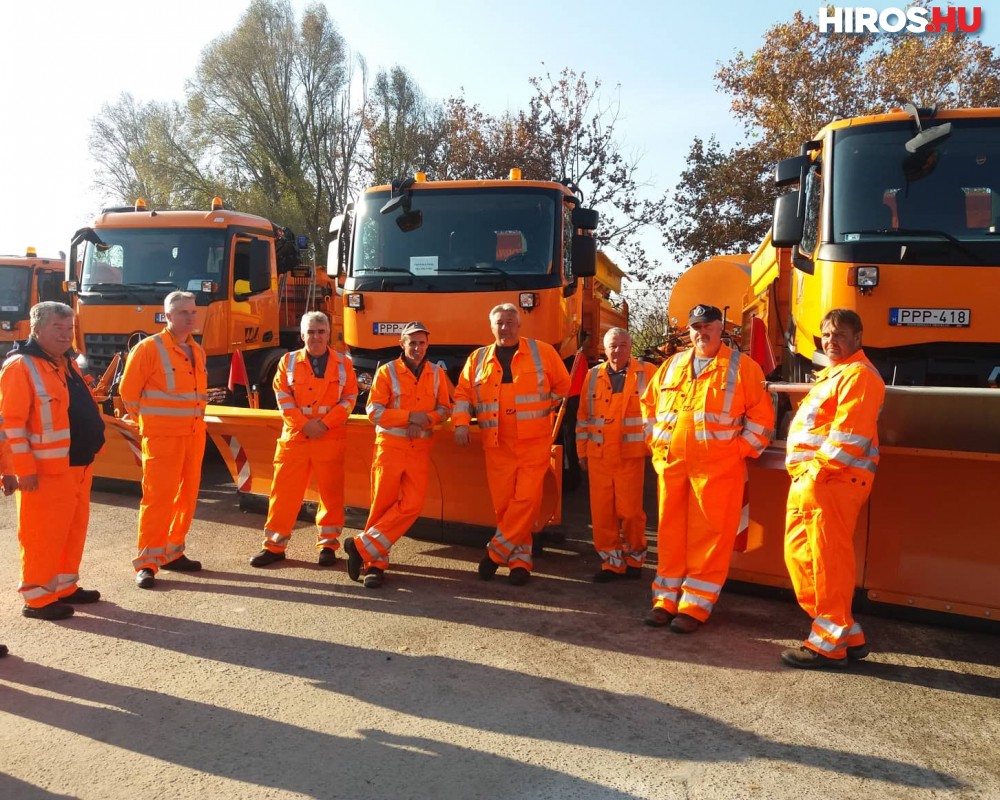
[[423, 265]]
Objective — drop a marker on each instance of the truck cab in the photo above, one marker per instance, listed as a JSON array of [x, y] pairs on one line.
[[24, 281], [895, 216]]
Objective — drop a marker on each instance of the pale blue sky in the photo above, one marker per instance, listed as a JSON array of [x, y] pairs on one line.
[[59, 62]]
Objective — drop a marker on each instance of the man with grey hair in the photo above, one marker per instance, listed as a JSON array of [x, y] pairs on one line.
[[53, 429], [513, 386], [610, 443], [165, 390], [316, 389]]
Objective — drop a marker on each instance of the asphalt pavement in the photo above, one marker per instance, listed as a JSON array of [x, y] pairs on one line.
[[293, 681]]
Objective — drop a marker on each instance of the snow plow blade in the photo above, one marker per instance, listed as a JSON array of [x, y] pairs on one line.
[[928, 536], [458, 498]]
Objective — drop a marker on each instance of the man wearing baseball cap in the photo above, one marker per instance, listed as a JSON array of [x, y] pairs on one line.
[[706, 411], [409, 396]]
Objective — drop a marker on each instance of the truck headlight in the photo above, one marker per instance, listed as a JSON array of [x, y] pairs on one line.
[[863, 277]]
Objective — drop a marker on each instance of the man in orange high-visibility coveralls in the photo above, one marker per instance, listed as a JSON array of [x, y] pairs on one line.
[[316, 389], [612, 449], [706, 412], [831, 457], [165, 389], [53, 429], [409, 396], [513, 386]]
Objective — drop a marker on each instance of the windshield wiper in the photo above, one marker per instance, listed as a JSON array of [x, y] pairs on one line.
[[917, 232]]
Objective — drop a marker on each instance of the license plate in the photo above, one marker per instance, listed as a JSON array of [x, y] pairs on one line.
[[931, 317], [388, 328]]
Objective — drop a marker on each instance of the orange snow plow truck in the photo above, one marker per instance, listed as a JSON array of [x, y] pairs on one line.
[[896, 216], [24, 281]]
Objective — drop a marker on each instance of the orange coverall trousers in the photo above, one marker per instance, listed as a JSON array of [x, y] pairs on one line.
[[399, 484], [515, 472], [616, 512], [171, 475], [820, 519], [700, 492], [294, 464], [51, 529]]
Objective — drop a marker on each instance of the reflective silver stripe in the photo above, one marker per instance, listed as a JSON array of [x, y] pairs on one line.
[[855, 629], [153, 395], [161, 411], [533, 398], [633, 437], [324, 529], [539, 371], [394, 383], [20, 447], [481, 407], [58, 452], [856, 439], [670, 584], [732, 375], [536, 414], [375, 411], [818, 641], [816, 439], [479, 374], [436, 372], [800, 456], [44, 398], [17, 433], [666, 417], [697, 600], [836, 631], [488, 423], [168, 369], [276, 538], [757, 428], [613, 558], [376, 536], [836, 454], [342, 375], [632, 421], [49, 437], [702, 586], [463, 407], [718, 419], [756, 443], [592, 391], [640, 377], [701, 435], [323, 409], [661, 436], [402, 432]]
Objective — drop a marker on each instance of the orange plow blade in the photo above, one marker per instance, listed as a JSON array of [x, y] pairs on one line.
[[927, 538]]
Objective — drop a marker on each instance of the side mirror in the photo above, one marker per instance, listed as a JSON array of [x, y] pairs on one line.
[[260, 266], [584, 255], [585, 218], [786, 229]]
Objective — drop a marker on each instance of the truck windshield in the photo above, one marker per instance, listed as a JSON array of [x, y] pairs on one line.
[[948, 192], [178, 258], [15, 292], [465, 234]]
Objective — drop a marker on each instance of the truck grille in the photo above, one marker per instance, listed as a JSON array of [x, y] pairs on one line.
[[101, 348]]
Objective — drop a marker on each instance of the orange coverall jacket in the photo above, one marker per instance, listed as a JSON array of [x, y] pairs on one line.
[[540, 383], [595, 431], [836, 426], [396, 392], [163, 390], [303, 397], [34, 409]]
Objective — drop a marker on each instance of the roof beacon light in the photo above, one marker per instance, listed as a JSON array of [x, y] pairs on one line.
[[31, 252], [217, 203], [420, 177], [515, 174], [140, 204]]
